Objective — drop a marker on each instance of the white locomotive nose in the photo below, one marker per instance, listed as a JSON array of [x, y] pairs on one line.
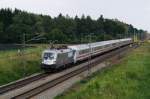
[[48, 58], [48, 62]]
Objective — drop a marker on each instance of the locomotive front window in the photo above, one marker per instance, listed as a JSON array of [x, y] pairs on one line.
[[48, 56]]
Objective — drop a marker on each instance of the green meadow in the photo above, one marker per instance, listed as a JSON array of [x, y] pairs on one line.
[[16, 64], [129, 79]]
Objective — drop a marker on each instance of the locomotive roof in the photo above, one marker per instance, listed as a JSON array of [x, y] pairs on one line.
[[57, 50], [102, 43]]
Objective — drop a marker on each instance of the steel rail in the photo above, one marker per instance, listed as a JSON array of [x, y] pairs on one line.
[[21, 83]]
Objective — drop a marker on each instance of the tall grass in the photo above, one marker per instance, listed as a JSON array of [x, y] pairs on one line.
[[11, 63], [128, 80]]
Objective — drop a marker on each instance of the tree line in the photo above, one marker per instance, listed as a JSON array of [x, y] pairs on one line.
[[62, 29]]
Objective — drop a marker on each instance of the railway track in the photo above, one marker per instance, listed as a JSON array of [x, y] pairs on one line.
[[85, 66], [21, 83]]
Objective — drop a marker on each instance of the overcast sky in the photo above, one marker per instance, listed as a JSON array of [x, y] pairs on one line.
[[135, 12]]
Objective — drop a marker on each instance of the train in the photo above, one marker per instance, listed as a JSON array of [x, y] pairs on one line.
[[53, 59]]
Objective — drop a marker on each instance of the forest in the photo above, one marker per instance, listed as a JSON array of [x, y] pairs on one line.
[[16, 25]]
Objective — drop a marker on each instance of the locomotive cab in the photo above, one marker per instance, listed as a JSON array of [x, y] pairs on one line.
[[49, 59], [55, 59]]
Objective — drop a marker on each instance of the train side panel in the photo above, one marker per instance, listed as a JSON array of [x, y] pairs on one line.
[[86, 53], [64, 59]]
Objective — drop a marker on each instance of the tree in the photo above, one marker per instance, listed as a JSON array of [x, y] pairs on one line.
[[57, 35], [13, 23], [47, 23], [1, 32], [1, 27]]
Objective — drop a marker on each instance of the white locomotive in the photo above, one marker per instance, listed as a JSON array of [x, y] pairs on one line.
[[57, 58]]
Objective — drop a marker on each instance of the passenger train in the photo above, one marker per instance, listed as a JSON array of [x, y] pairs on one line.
[[57, 58]]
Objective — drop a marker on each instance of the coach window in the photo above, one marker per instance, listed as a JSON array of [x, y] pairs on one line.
[[48, 56], [70, 54]]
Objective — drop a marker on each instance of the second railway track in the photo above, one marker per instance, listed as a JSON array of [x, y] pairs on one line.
[[21, 83]]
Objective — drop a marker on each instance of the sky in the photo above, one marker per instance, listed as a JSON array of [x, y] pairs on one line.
[[135, 12]]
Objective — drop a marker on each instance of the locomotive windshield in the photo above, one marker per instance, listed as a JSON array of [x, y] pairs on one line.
[[48, 56]]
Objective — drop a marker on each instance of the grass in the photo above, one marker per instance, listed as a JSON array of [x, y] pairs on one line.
[[129, 79], [11, 63]]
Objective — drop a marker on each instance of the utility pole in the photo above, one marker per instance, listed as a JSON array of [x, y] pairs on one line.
[[23, 54], [24, 41], [90, 54], [134, 36], [51, 42], [119, 56], [103, 36]]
